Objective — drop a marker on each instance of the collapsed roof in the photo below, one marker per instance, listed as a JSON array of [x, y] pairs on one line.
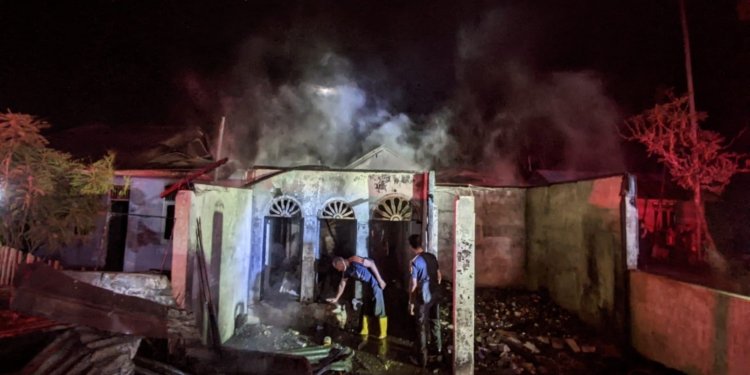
[[137, 147]]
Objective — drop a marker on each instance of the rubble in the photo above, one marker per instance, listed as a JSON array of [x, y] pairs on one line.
[[84, 350], [522, 332], [573, 345]]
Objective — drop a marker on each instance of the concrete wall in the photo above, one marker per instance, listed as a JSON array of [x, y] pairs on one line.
[[313, 189], [88, 253], [575, 248], [145, 246], [226, 216], [688, 327], [500, 233], [152, 287]]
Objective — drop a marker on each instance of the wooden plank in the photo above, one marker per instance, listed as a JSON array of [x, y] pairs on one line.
[[6, 266], [177, 185], [43, 291], [3, 261], [14, 260]]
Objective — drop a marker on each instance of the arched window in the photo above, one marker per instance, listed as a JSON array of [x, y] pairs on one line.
[[284, 207], [337, 209], [393, 208]]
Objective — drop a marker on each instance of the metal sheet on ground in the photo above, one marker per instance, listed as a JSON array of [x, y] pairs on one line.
[[42, 291]]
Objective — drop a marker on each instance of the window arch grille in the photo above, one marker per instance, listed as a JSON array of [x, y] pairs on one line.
[[339, 210], [393, 208], [284, 207]]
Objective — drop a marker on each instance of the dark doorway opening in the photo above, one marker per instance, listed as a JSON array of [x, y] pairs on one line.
[[116, 235], [282, 274], [390, 250], [338, 237]]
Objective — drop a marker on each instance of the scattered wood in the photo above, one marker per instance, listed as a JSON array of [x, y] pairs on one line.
[[573, 345], [156, 367], [70, 354], [183, 182]]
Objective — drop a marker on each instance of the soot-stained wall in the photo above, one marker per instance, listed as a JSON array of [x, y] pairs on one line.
[[313, 189], [146, 247], [500, 237], [225, 216], [575, 248]]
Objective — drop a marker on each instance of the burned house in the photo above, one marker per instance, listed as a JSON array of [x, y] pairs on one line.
[[258, 245], [271, 237]]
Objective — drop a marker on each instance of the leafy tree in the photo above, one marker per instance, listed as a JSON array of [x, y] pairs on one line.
[[47, 198], [697, 159]]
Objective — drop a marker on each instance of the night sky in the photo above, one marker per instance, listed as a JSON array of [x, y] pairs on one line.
[[131, 62]]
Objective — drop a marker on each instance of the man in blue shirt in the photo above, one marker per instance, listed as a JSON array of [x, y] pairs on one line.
[[424, 293], [364, 270]]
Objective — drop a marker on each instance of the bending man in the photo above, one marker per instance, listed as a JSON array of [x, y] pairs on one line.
[[364, 270]]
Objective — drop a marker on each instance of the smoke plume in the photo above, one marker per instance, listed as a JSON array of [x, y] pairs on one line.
[[295, 103], [320, 114]]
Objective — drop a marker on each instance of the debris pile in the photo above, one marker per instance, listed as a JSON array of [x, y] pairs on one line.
[[82, 350], [522, 332]]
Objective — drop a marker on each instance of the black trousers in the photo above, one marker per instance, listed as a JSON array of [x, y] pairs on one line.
[[428, 327]]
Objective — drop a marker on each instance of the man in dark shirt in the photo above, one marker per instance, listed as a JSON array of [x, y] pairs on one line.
[[424, 293], [360, 269]]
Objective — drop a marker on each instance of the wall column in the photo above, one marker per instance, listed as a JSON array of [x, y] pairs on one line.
[[463, 286], [363, 234], [631, 228], [310, 239], [180, 241], [432, 216]]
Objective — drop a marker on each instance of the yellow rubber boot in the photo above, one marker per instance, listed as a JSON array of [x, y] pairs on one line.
[[383, 327], [365, 324]]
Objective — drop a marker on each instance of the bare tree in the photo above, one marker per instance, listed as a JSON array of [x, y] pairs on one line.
[[698, 160]]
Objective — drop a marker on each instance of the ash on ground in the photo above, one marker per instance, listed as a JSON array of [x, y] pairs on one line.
[[522, 332]]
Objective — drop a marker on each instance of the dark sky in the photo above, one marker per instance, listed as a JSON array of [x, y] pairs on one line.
[[125, 62]]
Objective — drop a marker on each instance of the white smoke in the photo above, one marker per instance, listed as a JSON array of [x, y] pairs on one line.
[[525, 118], [505, 117], [325, 118]]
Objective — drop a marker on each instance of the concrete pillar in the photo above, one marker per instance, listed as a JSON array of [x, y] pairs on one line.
[[631, 225], [180, 241], [432, 218], [463, 286], [310, 239], [363, 235]]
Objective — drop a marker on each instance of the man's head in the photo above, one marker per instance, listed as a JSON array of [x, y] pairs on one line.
[[339, 264], [415, 242]]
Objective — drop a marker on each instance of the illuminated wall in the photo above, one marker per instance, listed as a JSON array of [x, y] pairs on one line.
[[575, 248], [500, 233], [148, 245], [225, 216], [312, 189]]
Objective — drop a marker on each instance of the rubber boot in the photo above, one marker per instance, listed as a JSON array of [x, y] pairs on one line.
[[365, 326], [383, 327]]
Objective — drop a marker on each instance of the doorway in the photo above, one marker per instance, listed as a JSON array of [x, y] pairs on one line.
[[282, 264], [338, 238], [390, 229], [117, 231]]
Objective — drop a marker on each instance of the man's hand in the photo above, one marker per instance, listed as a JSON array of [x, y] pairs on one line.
[[411, 308], [332, 300]]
